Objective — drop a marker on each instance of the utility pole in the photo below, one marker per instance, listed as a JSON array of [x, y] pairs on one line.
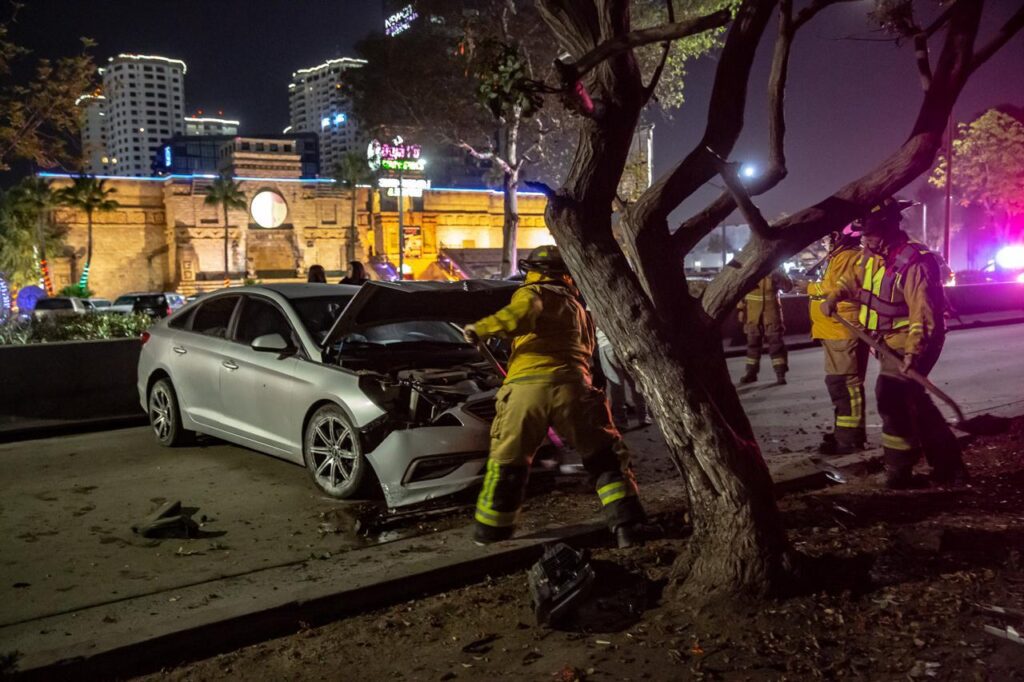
[[949, 188]]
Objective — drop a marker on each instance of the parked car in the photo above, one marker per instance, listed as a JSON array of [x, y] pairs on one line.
[[59, 306], [354, 383], [154, 304]]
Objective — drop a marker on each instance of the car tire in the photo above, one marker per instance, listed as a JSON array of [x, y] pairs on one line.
[[333, 454], [165, 415]]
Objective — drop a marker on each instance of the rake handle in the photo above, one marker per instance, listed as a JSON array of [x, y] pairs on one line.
[[911, 373]]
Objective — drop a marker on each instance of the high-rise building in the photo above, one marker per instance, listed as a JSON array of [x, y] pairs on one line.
[[145, 105], [95, 158], [206, 125], [318, 104]]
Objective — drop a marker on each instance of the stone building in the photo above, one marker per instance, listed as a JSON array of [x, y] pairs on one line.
[[165, 237]]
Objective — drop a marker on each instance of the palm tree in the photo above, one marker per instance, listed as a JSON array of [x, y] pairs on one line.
[[351, 171], [227, 193], [38, 198], [90, 194]]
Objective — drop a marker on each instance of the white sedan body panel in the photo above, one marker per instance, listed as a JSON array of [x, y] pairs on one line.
[[262, 400]]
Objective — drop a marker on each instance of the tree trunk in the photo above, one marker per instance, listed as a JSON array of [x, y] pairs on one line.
[[510, 189], [510, 227], [739, 545]]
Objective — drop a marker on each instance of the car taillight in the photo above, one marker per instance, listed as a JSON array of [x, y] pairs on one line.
[[145, 337], [168, 310]]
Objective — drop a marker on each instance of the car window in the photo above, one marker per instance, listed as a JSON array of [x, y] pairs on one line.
[[54, 304], [179, 320], [318, 314], [124, 300], [261, 317], [213, 316]]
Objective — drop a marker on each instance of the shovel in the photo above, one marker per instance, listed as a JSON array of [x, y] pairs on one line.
[[984, 424]]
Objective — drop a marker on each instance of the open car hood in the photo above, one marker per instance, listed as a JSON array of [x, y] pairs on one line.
[[387, 302]]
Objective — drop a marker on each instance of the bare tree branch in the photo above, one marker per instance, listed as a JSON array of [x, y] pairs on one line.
[[487, 156], [924, 67], [542, 187], [915, 156], [572, 72], [666, 48], [729, 173], [1007, 31], [691, 231]]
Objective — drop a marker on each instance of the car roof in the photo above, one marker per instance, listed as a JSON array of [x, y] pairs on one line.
[[302, 289]]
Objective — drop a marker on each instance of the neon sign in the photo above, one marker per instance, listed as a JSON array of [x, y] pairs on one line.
[[400, 21], [337, 119], [395, 156]]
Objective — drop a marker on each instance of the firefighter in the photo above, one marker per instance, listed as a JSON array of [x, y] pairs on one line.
[[898, 285], [846, 357], [549, 385], [761, 312]]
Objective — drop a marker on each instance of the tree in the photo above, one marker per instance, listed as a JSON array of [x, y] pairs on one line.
[[228, 194], [738, 545], [38, 197], [351, 172], [988, 168], [38, 116], [26, 234], [90, 194]]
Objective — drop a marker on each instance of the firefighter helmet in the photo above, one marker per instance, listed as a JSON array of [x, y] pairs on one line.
[[883, 215], [546, 259]]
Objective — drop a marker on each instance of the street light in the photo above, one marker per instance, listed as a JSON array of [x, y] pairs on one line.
[[748, 171]]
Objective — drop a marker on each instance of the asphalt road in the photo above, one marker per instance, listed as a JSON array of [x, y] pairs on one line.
[[67, 504]]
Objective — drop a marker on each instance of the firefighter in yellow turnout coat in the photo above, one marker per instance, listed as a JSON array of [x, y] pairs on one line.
[[761, 311], [898, 286], [549, 385], [846, 358]]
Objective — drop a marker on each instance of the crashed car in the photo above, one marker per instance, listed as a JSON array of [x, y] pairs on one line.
[[358, 384]]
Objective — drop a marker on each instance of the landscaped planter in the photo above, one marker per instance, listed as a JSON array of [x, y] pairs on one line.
[[71, 381]]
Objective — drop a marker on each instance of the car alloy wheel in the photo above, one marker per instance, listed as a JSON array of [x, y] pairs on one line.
[[160, 415], [333, 453], [165, 415]]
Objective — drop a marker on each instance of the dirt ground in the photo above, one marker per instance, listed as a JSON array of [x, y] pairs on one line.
[[896, 594]]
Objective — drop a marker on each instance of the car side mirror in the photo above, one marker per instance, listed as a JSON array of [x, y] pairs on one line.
[[271, 343]]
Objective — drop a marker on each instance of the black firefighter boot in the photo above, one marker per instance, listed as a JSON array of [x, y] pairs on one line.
[[750, 376], [780, 376]]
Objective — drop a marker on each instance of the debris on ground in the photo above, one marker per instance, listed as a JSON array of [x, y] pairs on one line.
[[170, 520]]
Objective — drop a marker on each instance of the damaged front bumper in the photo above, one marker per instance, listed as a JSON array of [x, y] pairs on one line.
[[425, 463]]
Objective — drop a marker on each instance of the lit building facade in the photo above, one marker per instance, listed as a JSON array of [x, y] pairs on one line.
[[206, 125], [318, 104], [145, 105], [201, 154], [93, 114], [164, 237]]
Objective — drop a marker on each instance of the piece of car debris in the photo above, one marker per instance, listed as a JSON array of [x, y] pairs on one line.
[[1008, 632], [169, 520], [559, 582]]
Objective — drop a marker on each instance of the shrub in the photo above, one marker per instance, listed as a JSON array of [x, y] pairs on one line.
[[78, 328], [76, 291]]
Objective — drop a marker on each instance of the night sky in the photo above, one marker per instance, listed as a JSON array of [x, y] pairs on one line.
[[849, 103]]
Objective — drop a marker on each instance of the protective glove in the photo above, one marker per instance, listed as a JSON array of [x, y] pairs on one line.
[[469, 333], [828, 306]]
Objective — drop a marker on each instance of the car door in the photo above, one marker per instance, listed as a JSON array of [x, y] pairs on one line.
[[258, 387], [199, 352]]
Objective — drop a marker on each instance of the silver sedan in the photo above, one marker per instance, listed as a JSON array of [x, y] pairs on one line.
[[361, 385]]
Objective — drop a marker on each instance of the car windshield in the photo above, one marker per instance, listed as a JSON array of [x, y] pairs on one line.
[[422, 333], [319, 313], [96, 303], [54, 304], [125, 300]]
